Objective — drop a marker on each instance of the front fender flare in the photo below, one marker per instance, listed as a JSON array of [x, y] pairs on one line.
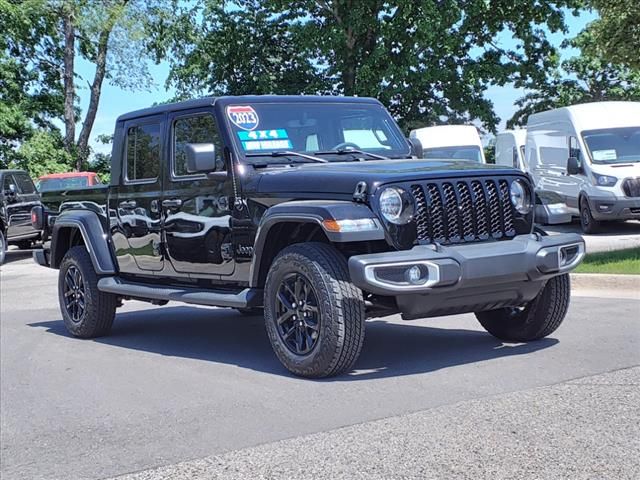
[[93, 234], [313, 211]]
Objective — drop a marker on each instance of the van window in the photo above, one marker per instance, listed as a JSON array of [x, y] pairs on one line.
[[143, 152], [196, 129]]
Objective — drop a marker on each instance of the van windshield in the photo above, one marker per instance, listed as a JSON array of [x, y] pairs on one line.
[[263, 132], [467, 152], [613, 145]]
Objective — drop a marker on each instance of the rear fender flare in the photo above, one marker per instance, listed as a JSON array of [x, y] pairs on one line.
[[93, 235]]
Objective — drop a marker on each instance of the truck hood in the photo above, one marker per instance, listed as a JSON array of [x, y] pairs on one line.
[[342, 177]]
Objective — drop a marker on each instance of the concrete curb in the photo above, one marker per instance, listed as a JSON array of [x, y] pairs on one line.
[[600, 281]]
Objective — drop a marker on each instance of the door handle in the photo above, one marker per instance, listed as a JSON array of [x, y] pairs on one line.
[[172, 203], [128, 204]]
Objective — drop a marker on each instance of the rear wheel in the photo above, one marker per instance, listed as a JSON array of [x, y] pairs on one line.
[[314, 315], [87, 312], [587, 222], [537, 319]]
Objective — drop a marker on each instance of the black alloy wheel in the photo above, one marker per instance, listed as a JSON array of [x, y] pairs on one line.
[[297, 314], [74, 294]]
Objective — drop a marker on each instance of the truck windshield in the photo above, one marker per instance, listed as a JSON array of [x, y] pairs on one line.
[[613, 145], [467, 152], [49, 184], [331, 129]]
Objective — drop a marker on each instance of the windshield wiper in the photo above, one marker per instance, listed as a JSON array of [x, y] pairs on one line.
[[286, 153], [344, 151]]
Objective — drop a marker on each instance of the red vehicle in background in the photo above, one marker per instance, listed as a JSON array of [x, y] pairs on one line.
[[66, 181]]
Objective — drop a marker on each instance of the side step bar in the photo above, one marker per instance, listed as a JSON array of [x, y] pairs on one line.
[[249, 297]]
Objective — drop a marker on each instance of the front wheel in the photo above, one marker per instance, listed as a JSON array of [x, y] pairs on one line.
[[87, 312], [535, 320], [587, 222], [314, 315]]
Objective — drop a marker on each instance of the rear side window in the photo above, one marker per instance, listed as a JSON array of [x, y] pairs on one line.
[[143, 152], [197, 129], [25, 185]]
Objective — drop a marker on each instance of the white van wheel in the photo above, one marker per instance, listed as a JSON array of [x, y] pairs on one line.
[[587, 222]]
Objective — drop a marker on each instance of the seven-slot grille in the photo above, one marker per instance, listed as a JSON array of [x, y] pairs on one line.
[[458, 211], [631, 187]]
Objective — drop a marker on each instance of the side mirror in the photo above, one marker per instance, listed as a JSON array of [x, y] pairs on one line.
[[416, 147], [201, 157], [574, 166]]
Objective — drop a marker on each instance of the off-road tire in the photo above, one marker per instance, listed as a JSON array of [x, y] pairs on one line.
[[538, 319], [3, 247], [587, 222], [100, 307], [340, 303]]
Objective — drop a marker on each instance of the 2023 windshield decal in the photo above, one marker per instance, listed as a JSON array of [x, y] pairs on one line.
[[243, 116]]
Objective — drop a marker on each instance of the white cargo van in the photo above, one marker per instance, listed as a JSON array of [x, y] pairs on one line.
[[460, 142], [510, 148], [588, 156]]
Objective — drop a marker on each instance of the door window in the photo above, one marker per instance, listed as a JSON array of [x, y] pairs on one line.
[[143, 152], [196, 129], [25, 185]]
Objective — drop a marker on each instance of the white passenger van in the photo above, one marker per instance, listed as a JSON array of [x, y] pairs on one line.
[[459, 142], [510, 148], [588, 156]]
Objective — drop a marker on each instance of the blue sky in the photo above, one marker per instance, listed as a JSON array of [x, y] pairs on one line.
[[115, 101]]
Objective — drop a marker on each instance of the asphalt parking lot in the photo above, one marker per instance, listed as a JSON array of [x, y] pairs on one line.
[[435, 398]]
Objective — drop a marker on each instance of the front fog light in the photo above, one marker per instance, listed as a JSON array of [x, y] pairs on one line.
[[520, 197], [415, 275]]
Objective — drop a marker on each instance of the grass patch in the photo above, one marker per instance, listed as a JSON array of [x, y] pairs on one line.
[[617, 262]]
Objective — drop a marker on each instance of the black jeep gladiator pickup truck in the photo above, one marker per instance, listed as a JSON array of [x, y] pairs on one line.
[[317, 210]]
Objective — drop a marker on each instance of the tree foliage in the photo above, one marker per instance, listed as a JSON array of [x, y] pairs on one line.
[[617, 31], [429, 61], [587, 77], [30, 88]]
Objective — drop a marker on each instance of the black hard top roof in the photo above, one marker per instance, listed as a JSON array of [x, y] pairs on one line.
[[208, 101]]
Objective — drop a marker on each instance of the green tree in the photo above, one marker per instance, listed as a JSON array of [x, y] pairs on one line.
[[43, 153], [617, 31], [429, 61], [30, 88], [587, 77]]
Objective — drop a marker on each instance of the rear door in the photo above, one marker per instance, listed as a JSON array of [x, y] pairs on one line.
[[197, 208], [136, 229]]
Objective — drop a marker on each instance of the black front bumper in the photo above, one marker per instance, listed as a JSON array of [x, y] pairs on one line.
[[468, 277]]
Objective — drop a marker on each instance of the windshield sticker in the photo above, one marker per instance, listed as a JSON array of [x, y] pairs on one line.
[[600, 155], [243, 116], [254, 145], [277, 134]]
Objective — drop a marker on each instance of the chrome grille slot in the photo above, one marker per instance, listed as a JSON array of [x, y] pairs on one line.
[[463, 210]]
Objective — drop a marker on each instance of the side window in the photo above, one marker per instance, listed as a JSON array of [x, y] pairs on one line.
[[143, 152], [196, 129], [25, 185], [7, 182]]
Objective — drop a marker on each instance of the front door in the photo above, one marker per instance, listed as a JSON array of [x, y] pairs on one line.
[[196, 208], [134, 209], [20, 197]]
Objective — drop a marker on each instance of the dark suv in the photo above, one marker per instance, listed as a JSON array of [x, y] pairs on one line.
[[18, 196], [315, 209]]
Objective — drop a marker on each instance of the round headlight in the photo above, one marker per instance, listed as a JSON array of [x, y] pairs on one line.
[[395, 206], [520, 197]]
